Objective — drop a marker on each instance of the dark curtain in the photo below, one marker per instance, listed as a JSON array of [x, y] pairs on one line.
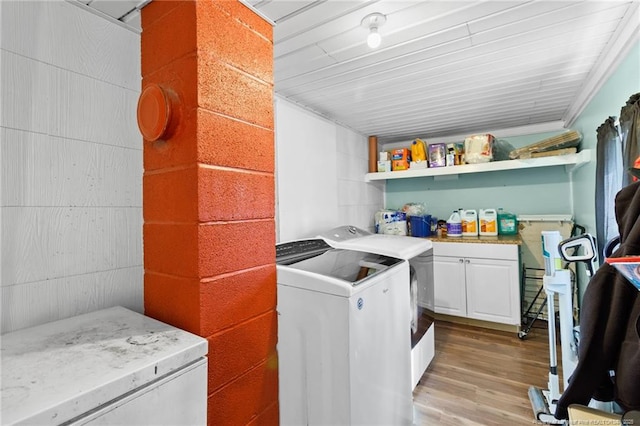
[[630, 133], [608, 181]]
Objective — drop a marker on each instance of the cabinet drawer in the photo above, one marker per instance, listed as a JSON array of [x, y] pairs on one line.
[[477, 250]]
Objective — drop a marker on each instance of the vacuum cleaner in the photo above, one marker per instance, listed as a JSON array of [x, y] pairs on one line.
[[557, 281], [583, 249]]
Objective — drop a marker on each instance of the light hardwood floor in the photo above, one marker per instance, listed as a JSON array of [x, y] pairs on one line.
[[480, 377]]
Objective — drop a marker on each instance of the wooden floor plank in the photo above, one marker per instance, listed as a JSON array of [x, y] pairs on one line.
[[481, 377]]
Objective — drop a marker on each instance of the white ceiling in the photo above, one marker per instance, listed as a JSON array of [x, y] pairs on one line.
[[444, 67]]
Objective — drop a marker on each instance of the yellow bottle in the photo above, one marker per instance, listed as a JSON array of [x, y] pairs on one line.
[[418, 150]]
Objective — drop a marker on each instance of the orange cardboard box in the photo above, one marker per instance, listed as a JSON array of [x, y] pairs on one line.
[[400, 159]]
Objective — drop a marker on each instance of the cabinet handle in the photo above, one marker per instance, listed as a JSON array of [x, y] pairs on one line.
[[460, 260], [467, 261]]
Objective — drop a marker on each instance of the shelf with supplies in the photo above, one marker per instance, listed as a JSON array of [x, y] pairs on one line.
[[571, 162]]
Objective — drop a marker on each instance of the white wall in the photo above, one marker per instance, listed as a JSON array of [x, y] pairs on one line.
[[320, 168], [71, 157]]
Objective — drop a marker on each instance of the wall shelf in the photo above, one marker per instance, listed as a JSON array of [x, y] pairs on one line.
[[570, 161]]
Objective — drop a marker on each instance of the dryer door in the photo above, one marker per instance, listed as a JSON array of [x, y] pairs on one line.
[[413, 288]]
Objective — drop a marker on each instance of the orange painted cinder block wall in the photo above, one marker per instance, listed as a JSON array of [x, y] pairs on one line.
[[209, 197]]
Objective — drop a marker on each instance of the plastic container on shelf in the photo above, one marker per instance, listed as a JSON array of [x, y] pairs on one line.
[[488, 219], [420, 226], [418, 150], [454, 225], [478, 149], [507, 223], [469, 222]]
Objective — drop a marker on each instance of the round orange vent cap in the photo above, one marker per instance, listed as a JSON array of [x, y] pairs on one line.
[[154, 112]]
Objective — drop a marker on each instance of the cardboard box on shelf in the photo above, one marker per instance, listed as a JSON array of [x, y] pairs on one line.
[[417, 165], [437, 154], [384, 166], [400, 159]]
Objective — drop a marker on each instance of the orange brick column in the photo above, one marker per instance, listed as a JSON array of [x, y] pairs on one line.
[[208, 197]]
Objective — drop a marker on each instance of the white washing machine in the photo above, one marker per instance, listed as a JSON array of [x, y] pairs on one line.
[[343, 349], [109, 367], [419, 253]]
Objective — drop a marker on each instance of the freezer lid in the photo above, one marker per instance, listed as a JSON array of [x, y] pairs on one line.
[[57, 371], [352, 238]]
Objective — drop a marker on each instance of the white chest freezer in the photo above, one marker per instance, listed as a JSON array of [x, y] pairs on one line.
[[112, 366]]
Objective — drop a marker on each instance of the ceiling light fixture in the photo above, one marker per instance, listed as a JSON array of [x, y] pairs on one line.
[[372, 22]]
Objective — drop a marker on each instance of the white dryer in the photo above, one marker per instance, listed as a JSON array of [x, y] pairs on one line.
[[419, 253], [343, 350]]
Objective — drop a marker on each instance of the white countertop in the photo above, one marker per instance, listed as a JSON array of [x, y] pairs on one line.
[[54, 372]]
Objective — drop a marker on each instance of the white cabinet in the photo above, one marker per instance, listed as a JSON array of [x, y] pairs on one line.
[[450, 286], [478, 281], [493, 290]]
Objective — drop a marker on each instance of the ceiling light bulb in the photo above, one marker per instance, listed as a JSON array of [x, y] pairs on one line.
[[372, 22], [374, 38]]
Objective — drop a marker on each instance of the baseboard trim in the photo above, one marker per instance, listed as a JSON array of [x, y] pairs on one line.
[[478, 323]]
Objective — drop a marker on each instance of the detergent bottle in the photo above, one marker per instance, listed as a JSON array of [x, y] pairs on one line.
[[507, 223], [418, 150], [454, 225], [488, 219], [469, 219]]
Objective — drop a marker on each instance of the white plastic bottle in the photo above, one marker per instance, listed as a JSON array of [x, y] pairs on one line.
[[454, 225], [469, 219], [488, 219]]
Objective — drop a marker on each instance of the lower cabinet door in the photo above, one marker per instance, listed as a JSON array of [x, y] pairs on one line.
[[449, 280], [493, 290]]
